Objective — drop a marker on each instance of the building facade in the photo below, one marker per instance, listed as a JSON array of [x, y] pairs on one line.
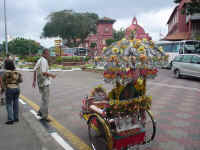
[[104, 32], [182, 26], [139, 32]]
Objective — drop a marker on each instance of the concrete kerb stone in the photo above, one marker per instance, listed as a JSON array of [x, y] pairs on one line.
[[51, 70], [48, 143]]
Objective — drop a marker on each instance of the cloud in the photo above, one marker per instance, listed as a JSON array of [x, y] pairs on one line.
[[153, 22], [27, 18]]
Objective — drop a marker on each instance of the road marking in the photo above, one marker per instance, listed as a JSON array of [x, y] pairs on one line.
[[73, 139], [61, 141], [55, 135], [21, 101], [35, 114], [176, 86]]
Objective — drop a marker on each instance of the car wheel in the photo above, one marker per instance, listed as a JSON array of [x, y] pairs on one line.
[[177, 74]]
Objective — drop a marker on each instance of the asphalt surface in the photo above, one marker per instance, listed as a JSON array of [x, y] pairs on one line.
[[176, 105], [27, 134], [18, 135]]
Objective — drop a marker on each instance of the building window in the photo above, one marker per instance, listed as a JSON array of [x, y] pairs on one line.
[[106, 29], [196, 27], [104, 42]]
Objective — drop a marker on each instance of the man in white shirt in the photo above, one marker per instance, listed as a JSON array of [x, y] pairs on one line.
[[42, 74]]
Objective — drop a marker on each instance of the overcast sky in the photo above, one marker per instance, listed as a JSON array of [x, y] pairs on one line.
[[26, 18]]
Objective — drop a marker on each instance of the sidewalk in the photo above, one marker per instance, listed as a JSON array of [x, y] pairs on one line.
[[27, 134]]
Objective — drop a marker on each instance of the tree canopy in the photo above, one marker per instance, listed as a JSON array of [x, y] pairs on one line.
[[191, 7], [71, 26], [22, 47], [117, 35]]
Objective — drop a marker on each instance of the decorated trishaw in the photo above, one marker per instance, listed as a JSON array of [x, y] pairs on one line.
[[121, 118]]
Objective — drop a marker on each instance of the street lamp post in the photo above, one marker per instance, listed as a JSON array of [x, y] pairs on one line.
[[5, 22]]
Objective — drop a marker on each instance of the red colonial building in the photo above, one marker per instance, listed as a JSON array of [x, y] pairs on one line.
[[182, 26], [104, 32], [139, 31]]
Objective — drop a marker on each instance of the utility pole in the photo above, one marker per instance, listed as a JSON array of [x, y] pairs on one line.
[[5, 22]]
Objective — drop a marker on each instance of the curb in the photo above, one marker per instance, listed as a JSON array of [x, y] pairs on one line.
[[47, 142]]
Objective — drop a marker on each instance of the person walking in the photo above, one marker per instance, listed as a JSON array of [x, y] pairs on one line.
[[8, 57], [43, 76], [10, 84]]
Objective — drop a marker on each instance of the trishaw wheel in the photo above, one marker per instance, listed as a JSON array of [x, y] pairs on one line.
[[150, 127], [98, 135]]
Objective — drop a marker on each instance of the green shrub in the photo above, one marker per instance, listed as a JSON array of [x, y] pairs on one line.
[[67, 58], [67, 68], [30, 67], [35, 58], [59, 59], [53, 66], [21, 66], [22, 57], [31, 58], [87, 58], [76, 58]]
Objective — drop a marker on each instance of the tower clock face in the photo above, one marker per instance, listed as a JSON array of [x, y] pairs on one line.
[[106, 29]]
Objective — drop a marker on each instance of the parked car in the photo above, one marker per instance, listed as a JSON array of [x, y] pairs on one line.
[[187, 65]]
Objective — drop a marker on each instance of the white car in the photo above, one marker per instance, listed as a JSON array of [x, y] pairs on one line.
[[187, 65]]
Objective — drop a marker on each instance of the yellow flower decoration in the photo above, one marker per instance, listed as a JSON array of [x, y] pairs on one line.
[[117, 102], [104, 49], [124, 39], [138, 100], [141, 49], [119, 43], [97, 89], [111, 102], [140, 81], [123, 46], [144, 40], [121, 51], [131, 41], [138, 41], [115, 50], [113, 57], [96, 58], [160, 48], [151, 46]]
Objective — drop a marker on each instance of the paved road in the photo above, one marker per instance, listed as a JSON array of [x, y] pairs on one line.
[[176, 105]]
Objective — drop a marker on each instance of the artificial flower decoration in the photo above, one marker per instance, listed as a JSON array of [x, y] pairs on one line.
[[104, 48], [121, 50], [119, 43], [115, 50], [140, 81], [144, 40], [96, 58], [124, 39], [143, 58], [160, 48], [141, 49], [130, 63], [123, 46]]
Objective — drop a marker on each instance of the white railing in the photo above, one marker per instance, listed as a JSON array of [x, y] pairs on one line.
[[195, 16]]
